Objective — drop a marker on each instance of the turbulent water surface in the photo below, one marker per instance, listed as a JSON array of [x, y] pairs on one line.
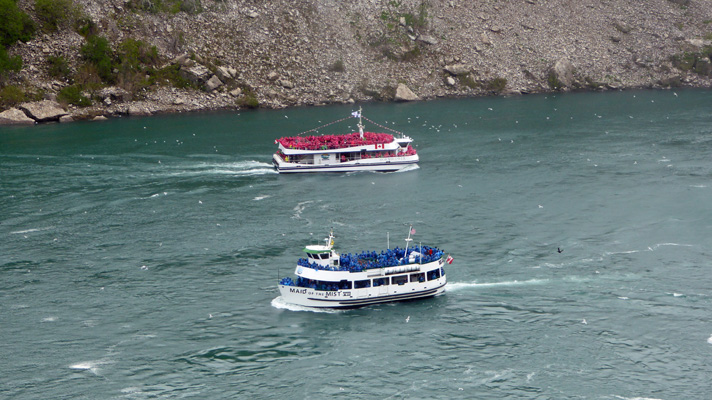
[[140, 256]]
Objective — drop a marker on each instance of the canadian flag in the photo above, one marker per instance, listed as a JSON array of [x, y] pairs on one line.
[[379, 145], [449, 259]]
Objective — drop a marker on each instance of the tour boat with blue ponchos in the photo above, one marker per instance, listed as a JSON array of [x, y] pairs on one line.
[[358, 151], [327, 279]]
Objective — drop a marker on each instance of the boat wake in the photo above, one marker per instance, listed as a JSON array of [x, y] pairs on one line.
[[457, 286], [241, 168], [411, 167], [278, 302]]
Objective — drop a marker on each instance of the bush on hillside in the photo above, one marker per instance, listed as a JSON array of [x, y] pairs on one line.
[[73, 95], [98, 53], [15, 25], [11, 96], [8, 63], [58, 67], [53, 13]]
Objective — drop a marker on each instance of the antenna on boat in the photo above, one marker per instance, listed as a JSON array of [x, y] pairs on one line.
[[408, 240], [360, 123]]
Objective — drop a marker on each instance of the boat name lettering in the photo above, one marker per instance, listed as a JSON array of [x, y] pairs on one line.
[[300, 291]]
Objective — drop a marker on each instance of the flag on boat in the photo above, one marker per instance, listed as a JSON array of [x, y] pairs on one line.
[[412, 231], [449, 259], [275, 141], [356, 114]]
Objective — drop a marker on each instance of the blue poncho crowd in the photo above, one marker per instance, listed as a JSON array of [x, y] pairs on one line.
[[371, 260]]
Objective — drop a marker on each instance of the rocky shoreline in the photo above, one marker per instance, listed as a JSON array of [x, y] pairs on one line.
[[238, 54]]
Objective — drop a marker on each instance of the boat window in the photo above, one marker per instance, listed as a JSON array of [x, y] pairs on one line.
[[442, 271], [366, 283], [324, 256], [434, 274], [399, 280], [380, 282], [417, 277], [345, 285], [310, 255]]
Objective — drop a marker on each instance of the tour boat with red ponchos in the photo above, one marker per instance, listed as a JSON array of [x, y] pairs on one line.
[[327, 279], [358, 151]]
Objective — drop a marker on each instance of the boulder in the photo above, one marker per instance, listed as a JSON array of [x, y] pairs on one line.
[[213, 83], [114, 93], [224, 74], [66, 118], [427, 39], [15, 116], [563, 71], [136, 110], [286, 84], [450, 81], [43, 111], [197, 74], [457, 69], [272, 76], [236, 92], [403, 93]]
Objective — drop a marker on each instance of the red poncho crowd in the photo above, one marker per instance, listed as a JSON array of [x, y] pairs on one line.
[[325, 142]]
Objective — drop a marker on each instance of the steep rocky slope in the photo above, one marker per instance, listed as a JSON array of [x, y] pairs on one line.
[[284, 52]]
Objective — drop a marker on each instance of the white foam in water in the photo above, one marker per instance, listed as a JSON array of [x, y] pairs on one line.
[[236, 168], [31, 230], [278, 302], [90, 366], [261, 197], [49, 319], [453, 287], [709, 339], [411, 167]]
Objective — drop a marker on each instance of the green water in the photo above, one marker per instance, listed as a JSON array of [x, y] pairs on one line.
[[140, 256]]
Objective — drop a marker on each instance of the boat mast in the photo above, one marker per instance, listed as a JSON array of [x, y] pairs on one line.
[[360, 123], [407, 241]]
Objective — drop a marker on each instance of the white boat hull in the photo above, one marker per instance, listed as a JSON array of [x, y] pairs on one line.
[[351, 298], [389, 164]]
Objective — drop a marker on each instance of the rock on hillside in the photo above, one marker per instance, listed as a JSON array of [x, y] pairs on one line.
[[284, 53]]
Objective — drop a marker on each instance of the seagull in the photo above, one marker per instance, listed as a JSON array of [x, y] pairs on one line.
[[584, 322], [407, 319], [559, 250]]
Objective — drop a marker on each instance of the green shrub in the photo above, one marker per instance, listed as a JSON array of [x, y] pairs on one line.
[[554, 81], [11, 96], [87, 77], [73, 95], [169, 75], [249, 99], [86, 27], [135, 55], [173, 6], [58, 67], [8, 63], [467, 80], [496, 84], [98, 53], [15, 25], [53, 13]]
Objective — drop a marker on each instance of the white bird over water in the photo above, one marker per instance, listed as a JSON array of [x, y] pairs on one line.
[[584, 322], [407, 319]]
